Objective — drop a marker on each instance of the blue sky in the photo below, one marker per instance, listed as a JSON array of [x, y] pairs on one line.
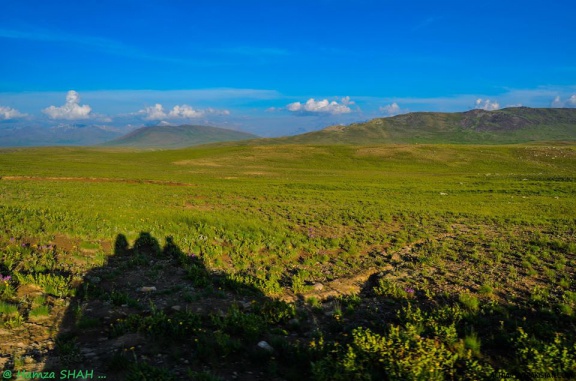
[[279, 67]]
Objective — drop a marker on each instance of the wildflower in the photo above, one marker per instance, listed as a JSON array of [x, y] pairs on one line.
[[5, 279], [409, 290]]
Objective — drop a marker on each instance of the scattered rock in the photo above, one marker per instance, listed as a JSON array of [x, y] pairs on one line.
[[264, 345], [294, 322], [318, 287], [94, 279], [177, 308], [129, 340], [147, 289], [245, 305]]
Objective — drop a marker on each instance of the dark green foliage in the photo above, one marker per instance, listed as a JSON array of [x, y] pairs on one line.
[[68, 350], [275, 311], [158, 325], [238, 323], [145, 372]]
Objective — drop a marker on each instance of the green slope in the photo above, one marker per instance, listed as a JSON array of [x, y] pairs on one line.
[[177, 136], [510, 125]]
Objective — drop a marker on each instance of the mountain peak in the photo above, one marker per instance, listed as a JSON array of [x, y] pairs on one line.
[[169, 136]]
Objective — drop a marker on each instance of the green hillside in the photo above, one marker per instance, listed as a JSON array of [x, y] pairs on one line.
[[510, 125], [177, 136]]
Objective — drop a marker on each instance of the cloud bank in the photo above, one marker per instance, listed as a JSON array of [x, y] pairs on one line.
[[157, 112], [7, 113], [321, 107], [72, 110]]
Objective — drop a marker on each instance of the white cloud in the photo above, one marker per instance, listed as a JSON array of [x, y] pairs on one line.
[[71, 110], [321, 107], [157, 112], [391, 109], [559, 103], [486, 104], [7, 113], [185, 111], [346, 101]]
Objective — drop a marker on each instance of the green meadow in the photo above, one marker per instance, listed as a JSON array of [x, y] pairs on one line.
[[383, 262]]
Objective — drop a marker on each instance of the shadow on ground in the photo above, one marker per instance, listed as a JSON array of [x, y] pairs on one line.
[[154, 312], [157, 313]]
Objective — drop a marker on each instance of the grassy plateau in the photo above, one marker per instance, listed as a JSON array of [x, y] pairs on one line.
[[290, 262]]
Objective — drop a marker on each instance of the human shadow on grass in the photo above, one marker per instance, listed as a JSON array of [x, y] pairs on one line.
[[154, 312]]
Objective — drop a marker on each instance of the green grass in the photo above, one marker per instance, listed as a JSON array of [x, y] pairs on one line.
[[473, 248], [8, 309], [39, 311]]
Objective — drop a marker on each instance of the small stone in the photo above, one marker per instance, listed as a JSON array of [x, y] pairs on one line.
[[147, 289], [28, 360], [294, 322], [318, 287], [176, 308], [264, 345], [94, 279]]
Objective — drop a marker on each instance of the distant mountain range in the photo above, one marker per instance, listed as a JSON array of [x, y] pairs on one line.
[[509, 125], [63, 135], [177, 137], [505, 126]]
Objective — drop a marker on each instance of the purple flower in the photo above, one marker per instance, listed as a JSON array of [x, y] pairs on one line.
[[12, 239], [5, 278], [409, 290]]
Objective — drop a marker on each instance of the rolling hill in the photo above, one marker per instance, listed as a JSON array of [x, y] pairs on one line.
[[177, 136], [510, 125]]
